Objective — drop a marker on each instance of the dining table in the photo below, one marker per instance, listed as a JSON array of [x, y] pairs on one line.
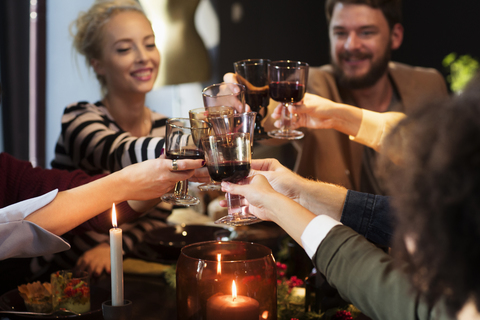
[[148, 277], [151, 296]]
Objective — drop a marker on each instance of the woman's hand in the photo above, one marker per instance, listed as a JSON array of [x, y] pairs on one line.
[[152, 178], [200, 175], [95, 260]]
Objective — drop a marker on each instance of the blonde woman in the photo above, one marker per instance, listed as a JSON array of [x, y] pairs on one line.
[[118, 42]]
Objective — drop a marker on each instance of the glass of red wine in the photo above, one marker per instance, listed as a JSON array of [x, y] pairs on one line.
[[203, 114], [228, 158], [253, 74], [288, 82], [226, 95], [183, 141], [234, 123]]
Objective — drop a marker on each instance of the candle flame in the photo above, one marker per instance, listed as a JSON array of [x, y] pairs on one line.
[[265, 315], [219, 265], [234, 291], [114, 216]]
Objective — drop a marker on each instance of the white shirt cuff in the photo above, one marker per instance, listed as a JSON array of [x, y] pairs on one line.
[[315, 232], [22, 238]]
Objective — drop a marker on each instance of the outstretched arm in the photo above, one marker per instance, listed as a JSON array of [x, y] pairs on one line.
[[143, 181], [367, 214], [363, 126]]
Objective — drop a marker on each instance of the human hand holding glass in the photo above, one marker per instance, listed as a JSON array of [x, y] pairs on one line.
[[228, 158], [288, 82], [183, 141]]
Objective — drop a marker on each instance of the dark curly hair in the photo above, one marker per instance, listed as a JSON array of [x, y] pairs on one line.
[[437, 198], [391, 9]]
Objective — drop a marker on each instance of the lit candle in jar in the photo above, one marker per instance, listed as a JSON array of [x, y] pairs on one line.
[[232, 307], [116, 261], [219, 264]]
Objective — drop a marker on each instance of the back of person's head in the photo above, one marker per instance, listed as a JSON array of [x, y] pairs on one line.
[[436, 196], [391, 9], [88, 34]]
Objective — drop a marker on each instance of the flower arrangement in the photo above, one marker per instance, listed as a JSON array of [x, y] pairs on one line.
[[291, 301]]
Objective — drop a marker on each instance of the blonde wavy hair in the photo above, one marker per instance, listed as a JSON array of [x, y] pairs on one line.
[[87, 29]]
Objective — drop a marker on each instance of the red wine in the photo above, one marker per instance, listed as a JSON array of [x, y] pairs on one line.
[[287, 91], [257, 99], [192, 154], [231, 171]]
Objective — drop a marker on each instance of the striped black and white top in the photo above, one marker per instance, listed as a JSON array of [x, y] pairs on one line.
[[91, 140]]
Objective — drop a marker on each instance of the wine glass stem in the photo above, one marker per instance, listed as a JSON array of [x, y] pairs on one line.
[[181, 189], [286, 118], [235, 204]]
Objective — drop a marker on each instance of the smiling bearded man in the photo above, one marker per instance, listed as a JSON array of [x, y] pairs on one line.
[[363, 34]]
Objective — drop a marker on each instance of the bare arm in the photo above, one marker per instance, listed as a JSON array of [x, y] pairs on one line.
[[143, 181]]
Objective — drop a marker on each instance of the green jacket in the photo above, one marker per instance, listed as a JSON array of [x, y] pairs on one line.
[[365, 276]]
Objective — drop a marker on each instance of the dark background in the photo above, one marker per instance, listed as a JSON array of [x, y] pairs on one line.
[[297, 30], [273, 29]]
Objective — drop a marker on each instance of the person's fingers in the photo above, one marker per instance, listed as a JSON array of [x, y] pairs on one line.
[[182, 165], [233, 188], [267, 164], [223, 203], [201, 173], [277, 112], [81, 265], [230, 77]]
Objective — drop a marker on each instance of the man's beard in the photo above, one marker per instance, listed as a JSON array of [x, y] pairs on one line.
[[376, 71]]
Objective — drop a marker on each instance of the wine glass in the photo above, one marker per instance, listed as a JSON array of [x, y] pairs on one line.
[[183, 141], [228, 157], [288, 82], [225, 94], [234, 123], [253, 74], [203, 114]]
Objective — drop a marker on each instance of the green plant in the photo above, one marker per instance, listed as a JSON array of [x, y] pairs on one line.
[[461, 70]]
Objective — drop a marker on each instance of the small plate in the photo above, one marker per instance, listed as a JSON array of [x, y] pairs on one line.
[[12, 301]]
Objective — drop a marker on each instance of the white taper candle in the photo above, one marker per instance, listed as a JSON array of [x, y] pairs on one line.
[[116, 261]]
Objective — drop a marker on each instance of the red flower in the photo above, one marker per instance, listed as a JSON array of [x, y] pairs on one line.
[[294, 282], [342, 315], [281, 266]]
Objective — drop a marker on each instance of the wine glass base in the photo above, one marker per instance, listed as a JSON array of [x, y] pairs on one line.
[[238, 220], [286, 134], [185, 201], [210, 187]]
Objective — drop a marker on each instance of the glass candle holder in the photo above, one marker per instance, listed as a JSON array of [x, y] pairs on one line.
[[205, 275]]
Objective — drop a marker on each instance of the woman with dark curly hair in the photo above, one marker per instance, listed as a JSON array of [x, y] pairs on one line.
[[434, 271], [437, 198]]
